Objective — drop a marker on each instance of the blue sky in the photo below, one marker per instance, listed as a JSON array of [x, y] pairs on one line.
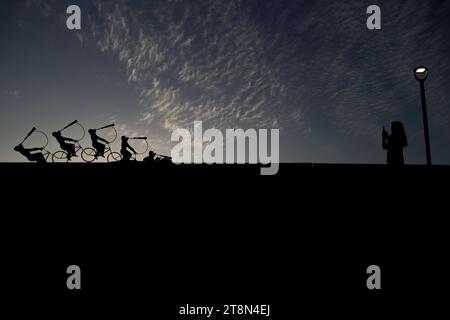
[[310, 68]]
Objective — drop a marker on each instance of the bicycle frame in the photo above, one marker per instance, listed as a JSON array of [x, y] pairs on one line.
[[78, 147], [47, 154]]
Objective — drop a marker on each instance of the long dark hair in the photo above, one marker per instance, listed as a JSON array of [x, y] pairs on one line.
[[399, 133]]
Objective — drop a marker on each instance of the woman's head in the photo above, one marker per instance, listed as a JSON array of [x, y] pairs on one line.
[[398, 132], [19, 148]]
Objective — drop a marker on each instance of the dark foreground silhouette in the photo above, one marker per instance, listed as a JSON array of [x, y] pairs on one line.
[[97, 143], [394, 143], [215, 233]]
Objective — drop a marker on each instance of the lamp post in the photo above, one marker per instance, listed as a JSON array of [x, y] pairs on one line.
[[421, 74]]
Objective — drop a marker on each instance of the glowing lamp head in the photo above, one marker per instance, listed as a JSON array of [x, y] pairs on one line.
[[421, 73]]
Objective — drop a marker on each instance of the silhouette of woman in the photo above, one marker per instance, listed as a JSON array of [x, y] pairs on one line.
[[96, 143], [151, 158], [30, 154], [126, 155], [64, 145], [394, 143]]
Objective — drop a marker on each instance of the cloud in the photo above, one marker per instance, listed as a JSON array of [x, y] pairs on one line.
[[44, 6], [208, 62], [231, 64], [280, 63]]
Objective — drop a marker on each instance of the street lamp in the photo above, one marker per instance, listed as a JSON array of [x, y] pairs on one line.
[[421, 74]]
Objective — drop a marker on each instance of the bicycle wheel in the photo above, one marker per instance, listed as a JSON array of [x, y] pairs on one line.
[[89, 155], [60, 156], [114, 157]]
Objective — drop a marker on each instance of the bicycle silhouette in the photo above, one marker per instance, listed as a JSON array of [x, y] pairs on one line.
[[135, 154], [63, 157], [44, 152], [90, 155]]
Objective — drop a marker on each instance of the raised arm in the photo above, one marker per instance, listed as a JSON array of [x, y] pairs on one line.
[[385, 136], [69, 139], [103, 140], [385, 143], [131, 148]]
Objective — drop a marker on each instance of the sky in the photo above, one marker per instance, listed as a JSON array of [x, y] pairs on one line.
[[309, 68]]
